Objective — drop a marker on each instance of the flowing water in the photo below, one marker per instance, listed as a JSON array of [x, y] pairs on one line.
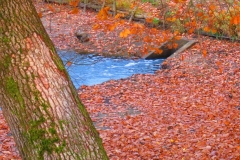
[[90, 69]]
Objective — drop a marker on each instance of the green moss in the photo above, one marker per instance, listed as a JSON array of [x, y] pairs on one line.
[[45, 140], [33, 76], [83, 110], [61, 122], [26, 64], [52, 130], [20, 49], [61, 67], [61, 147], [53, 49], [36, 95], [36, 134], [59, 63], [27, 78], [5, 40], [40, 138], [47, 145], [14, 112], [45, 106], [37, 122], [12, 89], [78, 157], [5, 63]]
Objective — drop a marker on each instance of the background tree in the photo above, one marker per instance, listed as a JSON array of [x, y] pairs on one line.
[[38, 99]]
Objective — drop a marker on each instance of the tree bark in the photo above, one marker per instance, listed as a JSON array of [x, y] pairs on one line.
[[85, 6], [114, 8], [38, 99]]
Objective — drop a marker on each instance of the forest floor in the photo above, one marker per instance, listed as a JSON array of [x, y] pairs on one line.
[[188, 110]]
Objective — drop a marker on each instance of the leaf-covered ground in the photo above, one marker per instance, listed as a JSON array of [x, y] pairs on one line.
[[189, 110]]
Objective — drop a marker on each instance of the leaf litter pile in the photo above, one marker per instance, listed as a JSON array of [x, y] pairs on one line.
[[190, 109]]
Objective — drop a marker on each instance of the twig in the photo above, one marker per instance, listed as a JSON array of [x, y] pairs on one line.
[[133, 13]]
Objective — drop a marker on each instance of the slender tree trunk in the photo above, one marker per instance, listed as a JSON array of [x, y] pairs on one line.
[[114, 8], [85, 6], [38, 100], [103, 4]]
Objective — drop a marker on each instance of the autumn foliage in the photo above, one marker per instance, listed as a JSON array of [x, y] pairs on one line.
[[189, 110], [167, 19], [177, 17]]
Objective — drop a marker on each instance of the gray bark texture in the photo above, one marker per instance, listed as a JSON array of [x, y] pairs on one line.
[[38, 100]]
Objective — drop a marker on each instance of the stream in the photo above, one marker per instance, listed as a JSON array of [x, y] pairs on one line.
[[91, 69]]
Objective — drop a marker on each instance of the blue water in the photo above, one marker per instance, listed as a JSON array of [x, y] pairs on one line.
[[92, 69]]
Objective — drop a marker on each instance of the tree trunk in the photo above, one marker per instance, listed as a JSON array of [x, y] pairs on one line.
[[114, 8], [85, 6], [38, 100]]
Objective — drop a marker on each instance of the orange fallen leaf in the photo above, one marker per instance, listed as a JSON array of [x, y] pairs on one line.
[[74, 11], [103, 13], [206, 29], [177, 37], [169, 46], [182, 57], [149, 20], [191, 30], [235, 20], [96, 26], [125, 33], [69, 63], [40, 14], [147, 39], [204, 52], [50, 8], [158, 51], [119, 15], [212, 7], [175, 45], [74, 3]]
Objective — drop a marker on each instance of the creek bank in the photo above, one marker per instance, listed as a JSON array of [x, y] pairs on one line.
[[182, 44]]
